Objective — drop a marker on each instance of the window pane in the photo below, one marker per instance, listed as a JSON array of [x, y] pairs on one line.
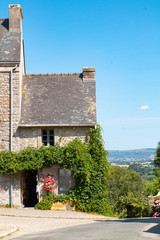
[[44, 132], [51, 138], [44, 138], [52, 143], [51, 132]]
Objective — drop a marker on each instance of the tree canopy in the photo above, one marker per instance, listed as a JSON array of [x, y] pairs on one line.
[[124, 187]]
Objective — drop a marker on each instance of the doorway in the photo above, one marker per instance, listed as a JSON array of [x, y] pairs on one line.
[[28, 188]]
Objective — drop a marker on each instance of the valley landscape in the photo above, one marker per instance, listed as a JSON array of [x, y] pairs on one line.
[[140, 160]]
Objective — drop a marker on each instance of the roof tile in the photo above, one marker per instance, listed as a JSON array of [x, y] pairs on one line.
[[58, 99]]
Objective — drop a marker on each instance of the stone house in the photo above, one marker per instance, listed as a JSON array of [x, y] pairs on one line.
[[36, 109]]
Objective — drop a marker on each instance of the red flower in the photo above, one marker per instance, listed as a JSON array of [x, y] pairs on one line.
[[49, 184]]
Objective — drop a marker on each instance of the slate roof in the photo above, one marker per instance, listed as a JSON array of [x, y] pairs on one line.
[[9, 43], [58, 99]]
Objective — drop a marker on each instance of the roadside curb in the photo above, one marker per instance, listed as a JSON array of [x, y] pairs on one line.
[[6, 229]]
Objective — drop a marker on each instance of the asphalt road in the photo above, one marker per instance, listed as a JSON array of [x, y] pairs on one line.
[[127, 229]]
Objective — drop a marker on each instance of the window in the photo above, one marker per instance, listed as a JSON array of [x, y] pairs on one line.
[[65, 180], [48, 137]]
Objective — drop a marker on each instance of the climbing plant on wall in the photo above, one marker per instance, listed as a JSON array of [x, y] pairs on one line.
[[87, 162]]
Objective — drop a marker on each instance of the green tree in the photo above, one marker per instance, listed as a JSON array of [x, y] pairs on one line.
[[157, 161], [153, 187], [147, 172], [124, 187]]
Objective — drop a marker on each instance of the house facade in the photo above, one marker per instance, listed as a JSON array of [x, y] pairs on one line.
[[38, 109]]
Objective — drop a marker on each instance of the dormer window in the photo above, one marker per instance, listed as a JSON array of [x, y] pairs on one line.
[[48, 137]]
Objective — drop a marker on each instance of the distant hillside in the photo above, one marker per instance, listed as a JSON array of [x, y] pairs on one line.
[[131, 155]]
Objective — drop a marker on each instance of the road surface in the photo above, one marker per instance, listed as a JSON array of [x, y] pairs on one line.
[[127, 229]]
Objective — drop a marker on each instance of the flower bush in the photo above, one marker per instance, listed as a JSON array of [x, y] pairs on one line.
[[49, 184], [155, 210]]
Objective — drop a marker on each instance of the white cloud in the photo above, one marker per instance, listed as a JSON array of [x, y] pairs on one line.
[[144, 107]]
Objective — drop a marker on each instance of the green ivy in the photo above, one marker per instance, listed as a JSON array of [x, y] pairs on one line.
[[87, 162]]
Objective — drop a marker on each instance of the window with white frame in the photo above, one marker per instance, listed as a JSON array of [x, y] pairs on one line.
[[48, 137]]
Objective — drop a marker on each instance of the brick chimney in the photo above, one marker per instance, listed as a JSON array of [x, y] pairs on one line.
[[15, 18], [89, 73]]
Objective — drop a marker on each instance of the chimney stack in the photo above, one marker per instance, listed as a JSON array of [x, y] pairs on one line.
[[15, 18], [89, 73]]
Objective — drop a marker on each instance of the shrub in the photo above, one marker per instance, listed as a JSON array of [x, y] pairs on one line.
[[50, 198], [44, 204], [125, 188]]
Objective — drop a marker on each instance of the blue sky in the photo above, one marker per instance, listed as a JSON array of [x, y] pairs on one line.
[[120, 38]]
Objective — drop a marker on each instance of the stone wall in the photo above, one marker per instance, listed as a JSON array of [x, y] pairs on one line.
[[44, 172], [17, 86], [30, 137], [5, 190], [4, 110], [17, 98], [63, 135], [5, 76]]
